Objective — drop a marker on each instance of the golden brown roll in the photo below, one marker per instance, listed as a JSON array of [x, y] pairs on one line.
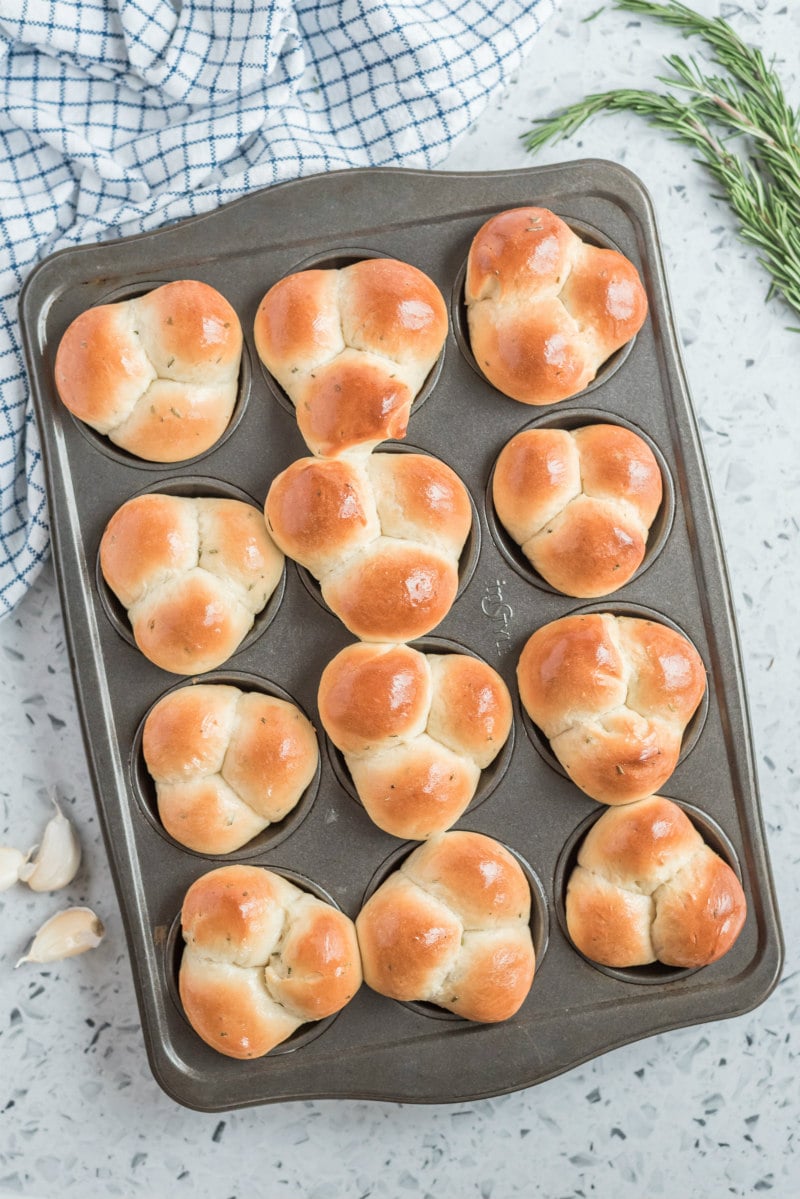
[[352, 348], [647, 888], [451, 927], [415, 730], [157, 374], [579, 503], [546, 309], [192, 573], [261, 958], [383, 535], [613, 695], [226, 763]]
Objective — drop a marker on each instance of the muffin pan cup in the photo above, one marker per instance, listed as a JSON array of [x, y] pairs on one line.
[[694, 726], [578, 418], [115, 452], [376, 1048], [538, 922], [491, 776], [655, 972], [145, 790]]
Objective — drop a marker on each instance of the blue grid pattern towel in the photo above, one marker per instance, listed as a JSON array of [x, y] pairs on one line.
[[117, 116]]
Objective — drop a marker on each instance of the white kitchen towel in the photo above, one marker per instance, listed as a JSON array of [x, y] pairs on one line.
[[117, 116]]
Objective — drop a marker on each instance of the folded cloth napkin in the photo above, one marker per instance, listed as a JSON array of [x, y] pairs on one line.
[[117, 116]]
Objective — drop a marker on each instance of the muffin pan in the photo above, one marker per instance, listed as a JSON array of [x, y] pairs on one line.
[[377, 1048]]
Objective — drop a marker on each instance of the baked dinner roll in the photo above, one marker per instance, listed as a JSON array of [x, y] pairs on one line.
[[415, 730], [382, 534], [544, 308], [261, 958], [613, 695], [226, 763], [192, 573], [579, 503], [157, 374], [647, 888], [352, 348], [451, 927]]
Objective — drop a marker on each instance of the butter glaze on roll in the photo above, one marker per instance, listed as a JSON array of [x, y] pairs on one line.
[[192, 574], [352, 348], [415, 730], [451, 927], [157, 374], [647, 888], [382, 534], [226, 763], [261, 959], [579, 504], [546, 309], [613, 695]]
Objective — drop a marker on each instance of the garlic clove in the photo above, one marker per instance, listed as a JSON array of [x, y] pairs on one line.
[[69, 932], [57, 857], [11, 862]]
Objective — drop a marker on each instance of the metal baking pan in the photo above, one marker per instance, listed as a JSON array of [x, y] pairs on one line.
[[377, 1048]]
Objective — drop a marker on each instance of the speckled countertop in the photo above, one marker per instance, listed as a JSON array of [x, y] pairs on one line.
[[704, 1111]]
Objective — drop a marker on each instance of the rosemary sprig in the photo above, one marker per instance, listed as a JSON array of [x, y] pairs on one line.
[[763, 188]]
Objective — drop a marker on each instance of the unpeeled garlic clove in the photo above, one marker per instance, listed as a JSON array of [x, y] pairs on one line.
[[11, 862], [69, 932], [57, 857]]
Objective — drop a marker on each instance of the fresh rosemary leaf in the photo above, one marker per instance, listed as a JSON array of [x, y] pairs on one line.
[[763, 186]]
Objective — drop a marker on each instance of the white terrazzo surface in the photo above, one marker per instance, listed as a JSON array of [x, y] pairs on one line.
[[702, 1112]]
